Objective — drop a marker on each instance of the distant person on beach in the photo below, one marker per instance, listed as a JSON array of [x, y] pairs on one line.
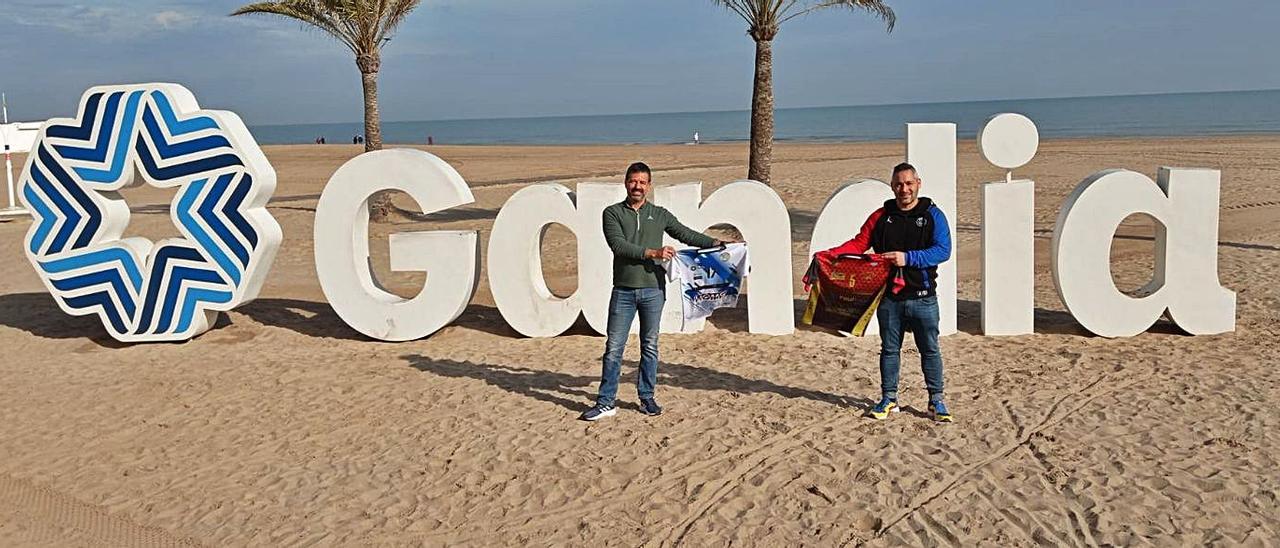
[[695, 138], [431, 140], [911, 233], [355, 139], [633, 228]]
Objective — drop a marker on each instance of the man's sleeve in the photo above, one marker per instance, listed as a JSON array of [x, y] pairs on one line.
[[860, 243], [940, 251], [617, 241], [687, 235]]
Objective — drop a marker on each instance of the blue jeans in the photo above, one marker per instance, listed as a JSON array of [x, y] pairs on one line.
[[920, 316], [624, 302]]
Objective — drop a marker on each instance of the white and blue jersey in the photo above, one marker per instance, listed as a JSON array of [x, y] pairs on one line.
[[709, 278]]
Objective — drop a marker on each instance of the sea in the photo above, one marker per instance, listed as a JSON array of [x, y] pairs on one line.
[[1159, 115]]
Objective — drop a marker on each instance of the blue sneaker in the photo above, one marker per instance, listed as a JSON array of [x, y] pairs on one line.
[[650, 407], [881, 410], [599, 412], [939, 411]]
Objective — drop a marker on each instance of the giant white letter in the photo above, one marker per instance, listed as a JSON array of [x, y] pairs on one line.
[[931, 148], [515, 261], [450, 258], [1185, 205], [1009, 141], [756, 211]]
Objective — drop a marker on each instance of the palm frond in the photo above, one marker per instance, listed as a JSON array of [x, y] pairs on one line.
[[362, 25], [875, 7], [309, 12], [397, 11], [771, 14], [737, 6]]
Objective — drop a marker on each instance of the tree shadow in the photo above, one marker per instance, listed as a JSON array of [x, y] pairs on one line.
[[489, 320], [974, 228], [558, 388], [296, 208], [447, 216], [318, 319], [313, 319]]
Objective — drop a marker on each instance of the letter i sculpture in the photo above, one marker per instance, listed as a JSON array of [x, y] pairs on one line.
[[1008, 223]]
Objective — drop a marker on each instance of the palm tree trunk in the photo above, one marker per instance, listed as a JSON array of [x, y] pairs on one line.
[[372, 120], [380, 206], [762, 114]]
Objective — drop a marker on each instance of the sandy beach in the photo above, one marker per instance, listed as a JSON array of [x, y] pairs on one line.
[[283, 426]]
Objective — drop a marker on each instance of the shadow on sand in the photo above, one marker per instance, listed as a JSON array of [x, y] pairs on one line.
[[576, 393], [1047, 322], [318, 319], [39, 315]]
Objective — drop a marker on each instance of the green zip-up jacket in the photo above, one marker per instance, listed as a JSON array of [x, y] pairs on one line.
[[630, 232]]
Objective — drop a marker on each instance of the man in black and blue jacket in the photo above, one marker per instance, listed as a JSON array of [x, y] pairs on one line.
[[911, 233]]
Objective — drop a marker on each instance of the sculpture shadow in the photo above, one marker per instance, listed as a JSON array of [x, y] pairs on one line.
[[576, 393], [1050, 322], [39, 315], [1047, 322], [737, 319], [802, 223]]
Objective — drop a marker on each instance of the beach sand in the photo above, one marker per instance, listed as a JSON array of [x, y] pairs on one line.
[[283, 426]]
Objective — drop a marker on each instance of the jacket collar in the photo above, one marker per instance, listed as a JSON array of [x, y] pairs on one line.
[[923, 205], [647, 204]]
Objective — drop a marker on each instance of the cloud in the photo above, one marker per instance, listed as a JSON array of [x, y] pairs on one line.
[[107, 19], [171, 19]]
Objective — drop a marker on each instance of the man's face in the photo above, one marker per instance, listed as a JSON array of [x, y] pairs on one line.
[[637, 186], [906, 188]]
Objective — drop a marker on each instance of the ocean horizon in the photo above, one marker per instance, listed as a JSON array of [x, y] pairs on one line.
[[1148, 115]]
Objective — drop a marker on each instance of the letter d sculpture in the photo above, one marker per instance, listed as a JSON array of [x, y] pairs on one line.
[[169, 290]]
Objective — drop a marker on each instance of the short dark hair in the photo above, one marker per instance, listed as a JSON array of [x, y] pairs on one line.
[[638, 167], [905, 167]]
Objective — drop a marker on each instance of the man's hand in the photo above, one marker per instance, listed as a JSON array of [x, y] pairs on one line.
[[898, 258], [664, 254]]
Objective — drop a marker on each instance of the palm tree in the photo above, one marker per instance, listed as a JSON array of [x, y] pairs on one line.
[[764, 17], [364, 26]]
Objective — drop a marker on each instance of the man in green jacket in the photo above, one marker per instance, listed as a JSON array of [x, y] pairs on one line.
[[633, 229]]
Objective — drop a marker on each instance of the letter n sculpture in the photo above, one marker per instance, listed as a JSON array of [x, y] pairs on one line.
[[170, 290]]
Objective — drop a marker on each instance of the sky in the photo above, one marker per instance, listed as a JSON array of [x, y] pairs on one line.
[[457, 59]]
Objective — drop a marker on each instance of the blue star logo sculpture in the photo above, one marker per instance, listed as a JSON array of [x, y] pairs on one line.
[[169, 290]]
